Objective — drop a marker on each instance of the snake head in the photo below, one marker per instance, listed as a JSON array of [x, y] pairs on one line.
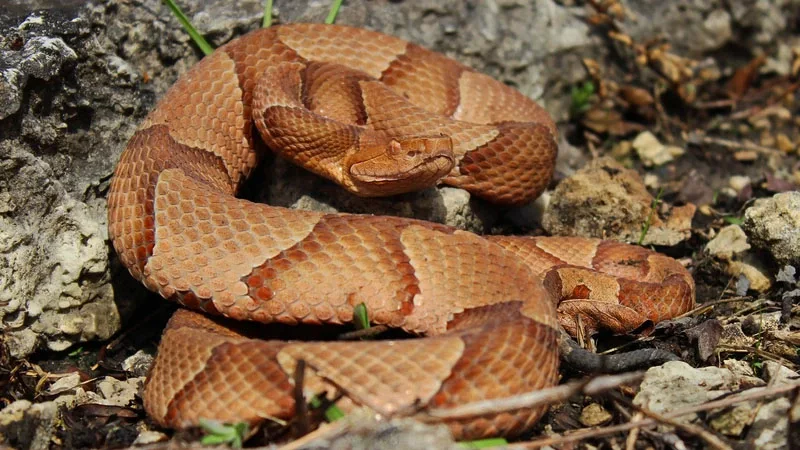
[[397, 165]]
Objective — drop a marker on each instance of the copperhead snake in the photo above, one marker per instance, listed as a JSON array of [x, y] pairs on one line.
[[379, 116]]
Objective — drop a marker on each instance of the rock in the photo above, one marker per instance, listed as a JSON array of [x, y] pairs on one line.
[[606, 200], [771, 425], [116, 392], [773, 224], [699, 27], [752, 268], [31, 426], [777, 374], [739, 182], [743, 371], [652, 152], [138, 363], [149, 437], [676, 385], [41, 57], [730, 241], [594, 415], [730, 247]]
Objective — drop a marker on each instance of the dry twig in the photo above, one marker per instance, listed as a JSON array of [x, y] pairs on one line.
[[549, 396], [588, 433]]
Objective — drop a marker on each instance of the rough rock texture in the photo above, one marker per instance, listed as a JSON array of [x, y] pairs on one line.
[[731, 248], [33, 424], [697, 27], [676, 385], [606, 200], [773, 224]]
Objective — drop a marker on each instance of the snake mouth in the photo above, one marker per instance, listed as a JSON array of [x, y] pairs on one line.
[[401, 165], [429, 167]]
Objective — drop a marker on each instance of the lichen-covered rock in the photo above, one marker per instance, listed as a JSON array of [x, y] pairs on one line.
[[773, 224], [676, 385], [606, 200]]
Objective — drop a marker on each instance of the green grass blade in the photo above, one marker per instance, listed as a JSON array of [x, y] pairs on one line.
[[646, 225], [333, 413], [334, 11], [267, 20], [483, 443], [361, 317], [198, 38]]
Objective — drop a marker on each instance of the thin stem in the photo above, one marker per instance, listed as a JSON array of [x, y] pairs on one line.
[[267, 20], [334, 11], [198, 38]]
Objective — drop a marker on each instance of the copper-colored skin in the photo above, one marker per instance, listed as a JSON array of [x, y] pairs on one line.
[[378, 116]]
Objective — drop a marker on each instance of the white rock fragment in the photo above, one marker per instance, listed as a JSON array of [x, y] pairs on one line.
[[652, 152]]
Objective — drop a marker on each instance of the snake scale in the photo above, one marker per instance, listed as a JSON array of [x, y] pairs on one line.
[[379, 116]]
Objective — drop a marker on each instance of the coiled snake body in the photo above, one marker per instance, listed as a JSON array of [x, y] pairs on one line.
[[379, 116]]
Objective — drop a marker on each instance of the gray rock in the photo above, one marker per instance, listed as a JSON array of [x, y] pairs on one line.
[[676, 385], [606, 200], [695, 27], [730, 241], [41, 57], [773, 224], [730, 248], [771, 425], [31, 424]]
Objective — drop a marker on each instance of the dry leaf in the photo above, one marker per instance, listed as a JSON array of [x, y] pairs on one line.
[[706, 336], [744, 77], [636, 95]]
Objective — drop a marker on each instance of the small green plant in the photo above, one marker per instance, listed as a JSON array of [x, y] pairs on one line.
[[334, 11], [361, 317], [581, 96], [646, 225], [483, 443], [198, 38], [220, 433], [733, 220], [266, 21], [332, 414]]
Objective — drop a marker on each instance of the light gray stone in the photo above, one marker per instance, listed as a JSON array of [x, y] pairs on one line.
[[773, 224]]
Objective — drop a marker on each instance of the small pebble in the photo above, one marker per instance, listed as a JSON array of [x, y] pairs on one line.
[[594, 415], [745, 155], [784, 143], [739, 182]]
